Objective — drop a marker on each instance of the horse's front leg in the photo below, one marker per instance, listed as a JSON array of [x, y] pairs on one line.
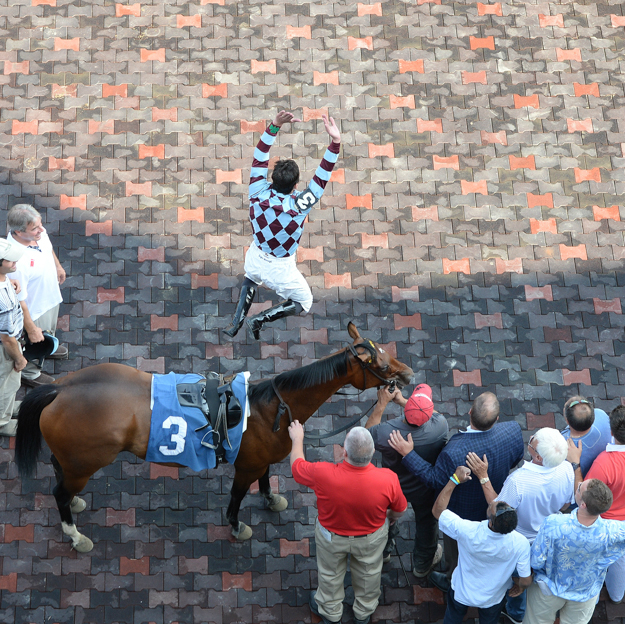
[[274, 501], [67, 503]]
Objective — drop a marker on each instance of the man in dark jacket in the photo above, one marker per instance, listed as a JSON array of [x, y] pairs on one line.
[[429, 431], [501, 442]]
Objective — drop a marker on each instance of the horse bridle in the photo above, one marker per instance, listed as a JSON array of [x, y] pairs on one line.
[[365, 366]]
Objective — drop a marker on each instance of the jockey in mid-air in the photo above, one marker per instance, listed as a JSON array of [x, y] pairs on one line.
[[277, 215]]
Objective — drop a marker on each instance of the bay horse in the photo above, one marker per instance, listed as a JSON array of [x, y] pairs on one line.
[[88, 417]]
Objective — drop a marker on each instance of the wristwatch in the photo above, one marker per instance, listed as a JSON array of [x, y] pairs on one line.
[[484, 480], [575, 466]]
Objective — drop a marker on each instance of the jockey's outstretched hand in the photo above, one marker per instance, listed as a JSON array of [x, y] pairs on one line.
[[285, 117], [332, 129]]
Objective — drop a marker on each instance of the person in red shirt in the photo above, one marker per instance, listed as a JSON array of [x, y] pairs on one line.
[[609, 467], [356, 502]]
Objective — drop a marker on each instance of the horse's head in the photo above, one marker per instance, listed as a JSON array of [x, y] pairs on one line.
[[378, 366]]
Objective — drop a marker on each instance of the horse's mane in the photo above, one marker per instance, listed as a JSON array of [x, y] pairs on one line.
[[300, 378]]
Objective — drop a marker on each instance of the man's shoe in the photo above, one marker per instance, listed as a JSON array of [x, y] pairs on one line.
[[42, 380], [365, 621], [315, 610], [509, 618], [9, 429], [435, 561], [440, 581], [60, 354]]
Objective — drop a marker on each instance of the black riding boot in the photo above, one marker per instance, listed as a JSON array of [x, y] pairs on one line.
[[286, 308], [248, 290]]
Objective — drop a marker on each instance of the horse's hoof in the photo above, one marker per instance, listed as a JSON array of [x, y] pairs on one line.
[[77, 505], [244, 533], [278, 503], [83, 545]]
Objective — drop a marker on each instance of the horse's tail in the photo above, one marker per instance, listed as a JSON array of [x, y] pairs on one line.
[[28, 438]]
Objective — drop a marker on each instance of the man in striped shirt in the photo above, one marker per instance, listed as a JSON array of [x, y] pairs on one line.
[[277, 215], [12, 361]]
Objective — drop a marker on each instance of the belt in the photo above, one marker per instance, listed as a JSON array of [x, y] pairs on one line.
[[356, 536]]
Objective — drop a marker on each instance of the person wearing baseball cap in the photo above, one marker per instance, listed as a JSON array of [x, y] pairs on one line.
[[12, 361], [429, 430]]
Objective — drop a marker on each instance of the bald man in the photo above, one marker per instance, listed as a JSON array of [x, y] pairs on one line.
[[503, 445]]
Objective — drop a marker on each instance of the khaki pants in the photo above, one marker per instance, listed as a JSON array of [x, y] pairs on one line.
[[9, 385], [48, 323], [542, 609], [366, 564]]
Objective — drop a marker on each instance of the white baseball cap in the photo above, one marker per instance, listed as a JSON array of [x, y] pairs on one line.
[[11, 251]]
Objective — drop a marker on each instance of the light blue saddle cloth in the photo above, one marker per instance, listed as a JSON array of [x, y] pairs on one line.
[[173, 436]]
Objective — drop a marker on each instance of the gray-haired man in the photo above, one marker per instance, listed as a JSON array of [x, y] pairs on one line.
[[40, 274], [356, 501]]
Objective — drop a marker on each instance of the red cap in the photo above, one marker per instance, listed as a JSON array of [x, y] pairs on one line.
[[419, 408]]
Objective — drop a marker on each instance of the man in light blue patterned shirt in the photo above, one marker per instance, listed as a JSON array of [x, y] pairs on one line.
[[277, 215], [570, 557]]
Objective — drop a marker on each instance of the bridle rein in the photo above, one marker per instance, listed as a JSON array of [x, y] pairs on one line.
[[365, 367]]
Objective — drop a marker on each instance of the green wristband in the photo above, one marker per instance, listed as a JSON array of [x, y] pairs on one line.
[[273, 129]]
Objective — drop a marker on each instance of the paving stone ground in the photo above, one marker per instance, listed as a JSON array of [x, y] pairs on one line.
[[474, 226]]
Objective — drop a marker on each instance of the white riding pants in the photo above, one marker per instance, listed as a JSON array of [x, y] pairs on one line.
[[278, 274]]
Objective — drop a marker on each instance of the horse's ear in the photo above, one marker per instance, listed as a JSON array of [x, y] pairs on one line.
[[353, 331]]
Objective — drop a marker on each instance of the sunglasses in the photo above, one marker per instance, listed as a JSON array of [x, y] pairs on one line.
[[581, 402]]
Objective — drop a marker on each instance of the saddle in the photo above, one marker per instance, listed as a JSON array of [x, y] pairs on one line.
[[214, 397]]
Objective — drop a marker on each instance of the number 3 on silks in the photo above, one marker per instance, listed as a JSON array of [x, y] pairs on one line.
[[306, 200], [177, 438]]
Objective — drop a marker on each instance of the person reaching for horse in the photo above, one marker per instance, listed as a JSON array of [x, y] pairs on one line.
[[277, 215], [429, 430], [349, 522]]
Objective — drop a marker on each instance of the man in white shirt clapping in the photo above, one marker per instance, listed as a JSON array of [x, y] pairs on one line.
[[541, 487], [489, 552]]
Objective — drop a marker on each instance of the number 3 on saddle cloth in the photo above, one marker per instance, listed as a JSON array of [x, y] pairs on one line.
[[177, 432]]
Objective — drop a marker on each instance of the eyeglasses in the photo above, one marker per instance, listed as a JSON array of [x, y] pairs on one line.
[[504, 510]]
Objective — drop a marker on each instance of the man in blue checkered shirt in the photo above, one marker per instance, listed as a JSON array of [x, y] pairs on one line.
[[503, 445], [277, 215]]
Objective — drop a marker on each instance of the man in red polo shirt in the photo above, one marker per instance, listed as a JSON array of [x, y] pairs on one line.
[[356, 501]]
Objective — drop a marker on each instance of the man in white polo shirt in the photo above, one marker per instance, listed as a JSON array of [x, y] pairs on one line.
[[541, 487], [40, 275], [489, 552]]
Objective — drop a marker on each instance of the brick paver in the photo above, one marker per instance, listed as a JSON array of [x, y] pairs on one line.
[[474, 226]]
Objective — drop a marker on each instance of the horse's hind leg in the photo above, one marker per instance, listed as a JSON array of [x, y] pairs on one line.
[[274, 501], [78, 504], [67, 502], [240, 487]]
